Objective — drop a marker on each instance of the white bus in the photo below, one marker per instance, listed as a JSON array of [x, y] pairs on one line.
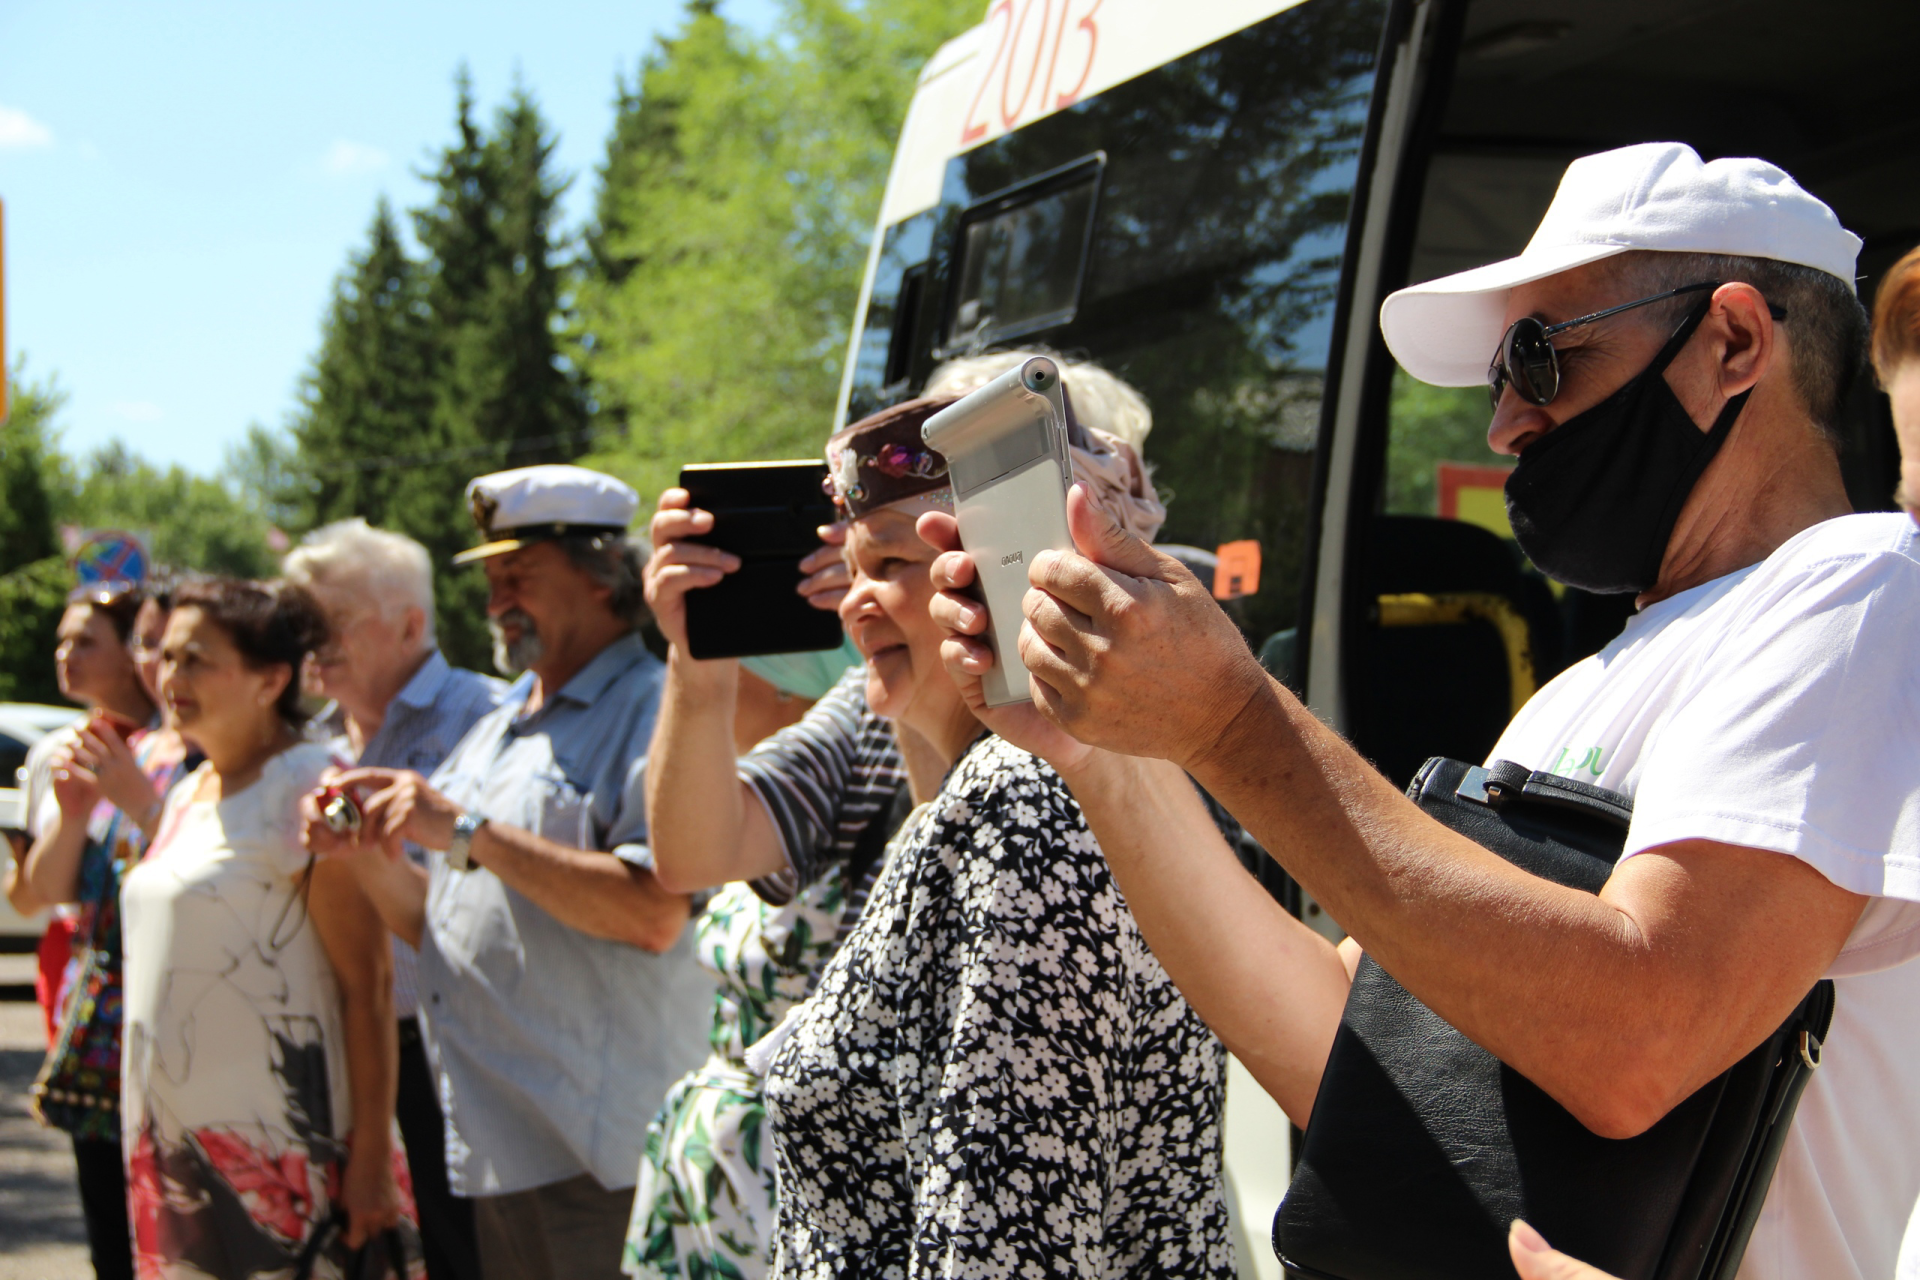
[[1211, 198]]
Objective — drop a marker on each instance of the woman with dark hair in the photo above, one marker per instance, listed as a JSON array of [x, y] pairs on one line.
[[81, 835], [109, 789], [260, 1055]]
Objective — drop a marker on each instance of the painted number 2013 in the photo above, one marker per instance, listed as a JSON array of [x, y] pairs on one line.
[[1027, 56]]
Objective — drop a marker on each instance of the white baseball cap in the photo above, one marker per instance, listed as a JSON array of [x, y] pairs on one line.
[[517, 508], [1657, 195]]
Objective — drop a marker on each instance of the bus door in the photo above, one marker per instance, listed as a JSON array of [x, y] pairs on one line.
[[1429, 626]]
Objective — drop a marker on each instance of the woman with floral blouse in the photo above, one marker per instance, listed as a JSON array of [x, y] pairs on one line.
[[993, 1075]]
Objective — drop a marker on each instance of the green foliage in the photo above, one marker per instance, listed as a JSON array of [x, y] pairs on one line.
[[432, 372], [192, 522], [195, 522], [32, 473], [1428, 425], [736, 203], [32, 598]]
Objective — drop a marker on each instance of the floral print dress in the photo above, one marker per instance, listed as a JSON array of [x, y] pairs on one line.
[[704, 1204], [995, 1078], [234, 1093], [703, 1207]]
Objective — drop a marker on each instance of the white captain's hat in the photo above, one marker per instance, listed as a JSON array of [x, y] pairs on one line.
[[518, 508], [1656, 195]]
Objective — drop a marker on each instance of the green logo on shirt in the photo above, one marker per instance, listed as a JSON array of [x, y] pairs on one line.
[[1592, 761]]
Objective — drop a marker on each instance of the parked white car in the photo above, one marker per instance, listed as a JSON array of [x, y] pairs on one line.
[[21, 725]]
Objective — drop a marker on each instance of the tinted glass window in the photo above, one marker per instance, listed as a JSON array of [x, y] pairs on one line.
[[1219, 228], [1020, 263]]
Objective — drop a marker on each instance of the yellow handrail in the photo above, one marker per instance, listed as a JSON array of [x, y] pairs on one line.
[[1417, 609]]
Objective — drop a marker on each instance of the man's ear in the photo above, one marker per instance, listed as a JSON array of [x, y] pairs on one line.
[[413, 628], [1746, 338]]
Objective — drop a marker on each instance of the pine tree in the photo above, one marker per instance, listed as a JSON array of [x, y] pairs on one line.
[[34, 576], [30, 472], [432, 372], [369, 390]]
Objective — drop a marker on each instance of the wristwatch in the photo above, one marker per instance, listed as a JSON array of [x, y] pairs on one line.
[[460, 848]]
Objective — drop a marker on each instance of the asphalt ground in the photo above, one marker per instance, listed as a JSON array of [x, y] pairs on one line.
[[42, 1235]]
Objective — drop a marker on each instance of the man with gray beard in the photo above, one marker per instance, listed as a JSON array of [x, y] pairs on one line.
[[559, 995]]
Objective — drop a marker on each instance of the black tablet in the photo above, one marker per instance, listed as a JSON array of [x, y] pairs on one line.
[[768, 514]]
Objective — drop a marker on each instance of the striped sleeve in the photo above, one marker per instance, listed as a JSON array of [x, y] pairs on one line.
[[822, 780]]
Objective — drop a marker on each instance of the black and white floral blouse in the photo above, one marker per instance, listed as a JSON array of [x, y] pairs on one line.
[[995, 1078]]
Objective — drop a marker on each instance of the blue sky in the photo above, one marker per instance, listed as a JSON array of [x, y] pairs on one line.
[[183, 181]]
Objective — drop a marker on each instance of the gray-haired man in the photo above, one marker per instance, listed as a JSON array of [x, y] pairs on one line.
[[396, 704], [559, 992]]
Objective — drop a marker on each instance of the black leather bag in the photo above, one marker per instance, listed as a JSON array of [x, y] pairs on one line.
[[1423, 1146], [385, 1257]]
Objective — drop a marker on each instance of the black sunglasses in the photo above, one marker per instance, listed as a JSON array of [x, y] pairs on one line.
[[1527, 359]]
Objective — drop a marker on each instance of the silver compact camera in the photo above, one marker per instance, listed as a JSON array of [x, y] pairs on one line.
[[1006, 451], [340, 812]]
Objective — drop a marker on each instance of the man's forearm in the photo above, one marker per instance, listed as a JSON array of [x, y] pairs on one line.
[[1616, 1005], [698, 811], [1269, 987], [593, 892]]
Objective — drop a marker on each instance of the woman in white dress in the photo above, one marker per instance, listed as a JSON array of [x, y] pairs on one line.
[[260, 1054]]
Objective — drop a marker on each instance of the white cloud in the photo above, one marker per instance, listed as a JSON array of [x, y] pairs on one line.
[[141, 412], [20, 131], [344, 159]]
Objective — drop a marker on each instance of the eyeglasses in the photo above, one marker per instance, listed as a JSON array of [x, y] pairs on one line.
[[1526, 356]]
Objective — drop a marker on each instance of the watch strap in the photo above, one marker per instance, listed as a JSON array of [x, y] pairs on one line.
[[460, 848]]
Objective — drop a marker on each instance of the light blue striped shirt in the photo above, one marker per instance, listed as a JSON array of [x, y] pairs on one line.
[[553, 1049], [424, 722]]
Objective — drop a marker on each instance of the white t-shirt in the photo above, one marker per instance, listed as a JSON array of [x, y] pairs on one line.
[[1779, 708]]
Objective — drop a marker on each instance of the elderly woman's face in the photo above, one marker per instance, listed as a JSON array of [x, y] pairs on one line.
[[886, 612], [1904, 390]]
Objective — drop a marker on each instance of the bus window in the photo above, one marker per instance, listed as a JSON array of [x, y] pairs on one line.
[[1021, 259], [1212, 240]]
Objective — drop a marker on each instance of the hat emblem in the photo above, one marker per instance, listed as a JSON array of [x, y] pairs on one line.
[[483, 505]]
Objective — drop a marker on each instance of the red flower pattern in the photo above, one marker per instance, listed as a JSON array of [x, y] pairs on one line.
[[277, 1189]]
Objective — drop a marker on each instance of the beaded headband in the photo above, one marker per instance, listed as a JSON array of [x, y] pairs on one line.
[[881, 459]]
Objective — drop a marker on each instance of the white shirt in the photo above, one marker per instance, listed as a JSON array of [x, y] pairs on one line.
[[1779, 708]]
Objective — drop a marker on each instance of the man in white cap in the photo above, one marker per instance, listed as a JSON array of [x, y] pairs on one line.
[[1668, 358], [558, 993]]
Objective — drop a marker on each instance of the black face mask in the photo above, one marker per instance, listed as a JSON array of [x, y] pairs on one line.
[[1594, 501]]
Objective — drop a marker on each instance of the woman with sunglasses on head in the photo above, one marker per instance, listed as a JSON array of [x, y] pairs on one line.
[[808, 804], [260, 1054], [82, 842], [993, 1073]]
